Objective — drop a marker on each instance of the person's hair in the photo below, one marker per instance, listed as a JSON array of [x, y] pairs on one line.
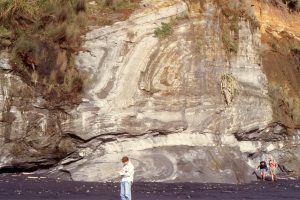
[[125, 159]]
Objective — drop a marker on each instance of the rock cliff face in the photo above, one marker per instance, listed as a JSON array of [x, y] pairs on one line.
[[182, 107], [30, 134]]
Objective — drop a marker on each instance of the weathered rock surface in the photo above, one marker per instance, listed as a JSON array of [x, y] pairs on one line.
[[30, 136], [160, 102]]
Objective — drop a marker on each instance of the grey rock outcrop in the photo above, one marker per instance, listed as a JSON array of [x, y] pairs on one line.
[[30, 136], [160, 102], [4, 61]]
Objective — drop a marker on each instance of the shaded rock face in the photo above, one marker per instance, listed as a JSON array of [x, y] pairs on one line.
[[30, 136], [159, 101], [280, 42]]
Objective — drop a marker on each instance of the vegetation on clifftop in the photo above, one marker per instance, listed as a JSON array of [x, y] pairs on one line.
[[44, 37]]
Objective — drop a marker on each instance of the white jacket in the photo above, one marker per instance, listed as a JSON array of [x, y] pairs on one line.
[[127, 172]]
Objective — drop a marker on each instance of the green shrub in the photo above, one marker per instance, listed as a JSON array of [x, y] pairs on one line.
[[163, 31], [64, 32], [73, 81], [117, 4], [14, 8], [5, 36], [230, 44], [123, 5], [24, 45], [4, 43], [72, 32], [5, 33], [80, 6], [57, 33]]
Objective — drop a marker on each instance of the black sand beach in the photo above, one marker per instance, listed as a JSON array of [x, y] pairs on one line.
[[38, 187]]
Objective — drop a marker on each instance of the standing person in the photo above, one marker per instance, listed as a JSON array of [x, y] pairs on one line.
[[126, 179], [262, 169], [273, 166]]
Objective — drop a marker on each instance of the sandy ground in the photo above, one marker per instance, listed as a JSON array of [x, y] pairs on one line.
[[38, 187]]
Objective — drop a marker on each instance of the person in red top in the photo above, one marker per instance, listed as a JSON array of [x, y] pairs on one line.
[[273, 166]]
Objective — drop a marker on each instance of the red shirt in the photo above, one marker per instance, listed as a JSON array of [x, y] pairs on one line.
[[272, 164]]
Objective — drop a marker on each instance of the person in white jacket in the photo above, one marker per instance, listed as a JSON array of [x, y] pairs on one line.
[[126, 174]]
